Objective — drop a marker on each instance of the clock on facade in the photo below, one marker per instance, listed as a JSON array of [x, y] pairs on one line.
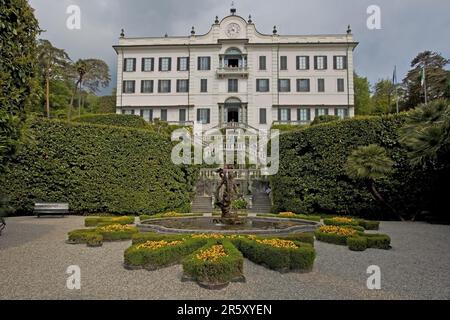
[[233, 30]]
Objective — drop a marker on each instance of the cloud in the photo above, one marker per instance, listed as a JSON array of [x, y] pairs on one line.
[[408, 26]]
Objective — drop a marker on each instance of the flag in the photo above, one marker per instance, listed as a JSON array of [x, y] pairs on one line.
[[394, 76], [422, 77]]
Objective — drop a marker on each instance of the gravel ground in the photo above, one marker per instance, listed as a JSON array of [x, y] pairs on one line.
[[34, 258]]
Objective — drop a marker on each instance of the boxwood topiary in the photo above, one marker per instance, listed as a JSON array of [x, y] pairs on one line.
[[378, 241], [357, 243]]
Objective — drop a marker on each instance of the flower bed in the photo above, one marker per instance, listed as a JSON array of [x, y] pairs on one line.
[[94, 237], [103, 221], [344, 221], [215, 265], [292, 215], [278, 254]]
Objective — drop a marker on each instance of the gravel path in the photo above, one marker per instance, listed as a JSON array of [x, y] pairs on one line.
[[34, 258]]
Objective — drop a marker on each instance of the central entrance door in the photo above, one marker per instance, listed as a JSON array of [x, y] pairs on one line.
[[233, 110], [233, 115]]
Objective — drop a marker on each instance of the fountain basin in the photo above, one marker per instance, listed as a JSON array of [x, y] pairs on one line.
[[251, 225]]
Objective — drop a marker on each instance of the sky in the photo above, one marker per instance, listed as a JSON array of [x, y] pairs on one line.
[[407, 26]]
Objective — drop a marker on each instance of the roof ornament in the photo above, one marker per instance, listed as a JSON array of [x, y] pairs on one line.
[[233, 9], [193, 31], [275, 31], [217, 20], [250, 19], [122, 34], [349, 30]]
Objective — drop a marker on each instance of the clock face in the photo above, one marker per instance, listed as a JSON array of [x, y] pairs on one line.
[[233, 30]]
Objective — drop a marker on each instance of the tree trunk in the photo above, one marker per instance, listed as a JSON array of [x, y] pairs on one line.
[[373, 190], [47, 96]]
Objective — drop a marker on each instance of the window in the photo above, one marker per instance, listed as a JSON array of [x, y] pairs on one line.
[[303, 115], [129, 64], [164, 86], [182, 115], [204, 85], [340, 85], [203, 116], [303, 85], [321, 112], [263, 116], [163, 115], [233, 85], [341, 112], [165, 64], [320, 63], [283, 63], [302, 63], [284, 114], [147, 86], [340, 62], [321, 85], [262, 85], [284, 85], [182, 85], [204, 63], [129, 86], [148, 64], [262, 63], [183, 64], [147, 114]]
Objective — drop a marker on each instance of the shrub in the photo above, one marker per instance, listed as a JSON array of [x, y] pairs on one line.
[[96, 221], [357, 243], [296, 216], [300, 237], [217, 263], [112, 119], [280, 259], [369, 225], [139, 238], [378, 241], [335, 234], [80, 236], [324, 119], [116, 232], [94, 239], [140, 256], [340, 221], [97, 169], [240, 204], [312, 178]]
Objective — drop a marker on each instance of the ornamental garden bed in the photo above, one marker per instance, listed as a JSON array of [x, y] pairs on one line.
[[353, 237], [95, 237], [344, 221], [103, 221]]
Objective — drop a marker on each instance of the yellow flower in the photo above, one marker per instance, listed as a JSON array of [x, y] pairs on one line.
[[287, 214], [208, 236], [153, 245], [171, 214], [342, 231], [342, 219], [212, 254], [116, 228], [278, 243]]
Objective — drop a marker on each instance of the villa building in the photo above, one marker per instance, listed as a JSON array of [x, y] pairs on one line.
[[236, 75]]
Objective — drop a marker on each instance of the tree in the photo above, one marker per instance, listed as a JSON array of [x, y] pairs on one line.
[[362, 95], [53, 64], [91, 74], [18, 77], [369, 164], [383, 97], [436, 78]]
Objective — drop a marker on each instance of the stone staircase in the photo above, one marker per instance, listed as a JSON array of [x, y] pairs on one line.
[[202, 204], [261, 203]]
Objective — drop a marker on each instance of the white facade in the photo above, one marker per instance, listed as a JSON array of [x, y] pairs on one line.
[[235, 51]]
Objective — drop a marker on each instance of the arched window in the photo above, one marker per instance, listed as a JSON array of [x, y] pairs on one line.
[[233, 52]]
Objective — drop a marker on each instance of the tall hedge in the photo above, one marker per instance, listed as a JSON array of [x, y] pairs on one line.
[[97, 168], [312, 177], [120, 120]]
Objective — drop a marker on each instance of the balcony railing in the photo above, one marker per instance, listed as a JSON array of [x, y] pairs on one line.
[[233, 71]]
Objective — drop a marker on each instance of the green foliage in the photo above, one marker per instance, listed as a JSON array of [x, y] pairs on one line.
[[297, 216], [119, 120], [383, 97], [331, 237], [332, 222], [378, 241], [312, 176], [324, 119], [368, 163], [299, 237], [217, 272], [153, 236], [240, 204], [94, 239], [369, 225], [280, 259], [153, 259], [357, 243], [97, 169], [362, 95], [104, 221]]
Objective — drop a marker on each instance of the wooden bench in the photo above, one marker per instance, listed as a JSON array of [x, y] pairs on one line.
[[51, 209]]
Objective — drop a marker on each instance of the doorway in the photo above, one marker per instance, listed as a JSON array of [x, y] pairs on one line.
[[233, 115]]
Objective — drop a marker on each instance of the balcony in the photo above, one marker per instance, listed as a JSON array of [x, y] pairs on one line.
[[232, 72]]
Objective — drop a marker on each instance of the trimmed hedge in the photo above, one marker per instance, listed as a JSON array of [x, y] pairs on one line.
[[297, 216], [219, 272], [300, 237], [118, 235], [369, 225], [112, 119], [152, 259], [364, 224], [312, 178], [139, 238], [331, 238], [357, 243], [104, 221], [378, 241], [97, 169], [280, 259], [94, 237]]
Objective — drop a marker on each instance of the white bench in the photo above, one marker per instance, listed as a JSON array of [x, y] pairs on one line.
[[51, 209]]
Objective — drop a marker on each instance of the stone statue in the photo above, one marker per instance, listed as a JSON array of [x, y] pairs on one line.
[[225, 193]]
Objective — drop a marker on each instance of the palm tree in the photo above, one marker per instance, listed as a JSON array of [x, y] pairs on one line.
[[426, 134], [369, 164]]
